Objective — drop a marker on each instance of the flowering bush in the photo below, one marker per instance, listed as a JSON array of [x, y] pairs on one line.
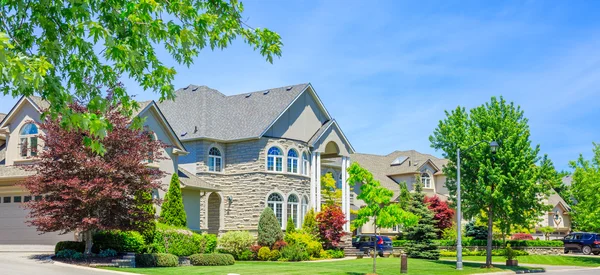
[[522, 236], [331, 222]]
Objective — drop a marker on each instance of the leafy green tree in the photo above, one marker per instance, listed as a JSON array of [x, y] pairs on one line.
[[310, 223], [172, 211], [505, 184], [547, 230], [66, 49], [422, 234], [379, 208], [269, 229], [584, 188], [329, 191], [404, 198], [290, 227]]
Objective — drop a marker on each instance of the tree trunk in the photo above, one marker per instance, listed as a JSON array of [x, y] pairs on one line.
[[87, 237], [375, 247], [488, 257]]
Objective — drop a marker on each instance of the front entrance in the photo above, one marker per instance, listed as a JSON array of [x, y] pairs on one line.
[[214, 213]]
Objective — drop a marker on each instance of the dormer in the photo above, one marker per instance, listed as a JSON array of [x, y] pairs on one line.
[[20, 131]]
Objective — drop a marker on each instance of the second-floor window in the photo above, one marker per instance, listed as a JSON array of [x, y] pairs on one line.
[[292, 161], [304, 164], [274, 160], [426, 180], [29, 140], [215, 160]]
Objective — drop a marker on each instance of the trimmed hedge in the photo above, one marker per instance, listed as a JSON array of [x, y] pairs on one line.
[[212, 259], [120, 241], [182, 241], [156, 260], [64, 245], [513, 243], [495, 252]]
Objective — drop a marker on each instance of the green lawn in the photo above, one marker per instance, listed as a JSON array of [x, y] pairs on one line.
[[542, 259], [354, 267]]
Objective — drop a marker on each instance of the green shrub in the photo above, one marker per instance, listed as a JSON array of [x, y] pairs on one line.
[[66, 253], [107, 253], [513, 243], [236, 242], [121, 241], [181, 241], [77, 246], [495, 252], [323, 254], [399, 243], [290, 227], [212, 259], [246, 255], [264, 253], [295, 252], [269, 229], [275, 255], [335, 253], [77, 256], [156, 260], [310, 223], [314, 249], [301, 238], [172, 211]]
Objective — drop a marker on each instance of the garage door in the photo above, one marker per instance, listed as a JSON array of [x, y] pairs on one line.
[[14, 230]]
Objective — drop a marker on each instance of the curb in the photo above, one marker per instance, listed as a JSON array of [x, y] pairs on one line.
[[530, 271], [89, 268]]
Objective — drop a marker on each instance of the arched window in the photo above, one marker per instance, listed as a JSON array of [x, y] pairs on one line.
[[292, 209], [292, 161], [29, 140], [215, 160], [303, 208], [305, 164], [275, 202], [426, 180], [274, 160]]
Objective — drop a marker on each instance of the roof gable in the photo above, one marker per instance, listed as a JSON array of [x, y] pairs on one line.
[[150, 108], [37, 103]]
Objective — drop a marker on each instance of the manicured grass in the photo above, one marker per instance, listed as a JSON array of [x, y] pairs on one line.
[[542, 259], [352, 267]]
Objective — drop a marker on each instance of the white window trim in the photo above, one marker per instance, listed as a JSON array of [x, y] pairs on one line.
[[295, 205], [281, 204], [28, 139], [305, 164], [430, 181], [303, 209], [275, 157], [215, 157], [293, 159]]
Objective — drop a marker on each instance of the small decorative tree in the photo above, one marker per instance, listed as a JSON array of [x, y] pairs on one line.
[[379, 207], [476, 232], [147, 228], [330, 192], [172, 211], [310, 223], [84, 191], [422, 234], [290, 226], [442, 213], [547, 230], [331, 222], [269, 229]]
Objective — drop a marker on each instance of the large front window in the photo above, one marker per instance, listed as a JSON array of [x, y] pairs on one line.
[[275, 202], [29, 140], [292, 161], [426, 180], [215, 160], [274, 160], [304, 164], [292, 209]]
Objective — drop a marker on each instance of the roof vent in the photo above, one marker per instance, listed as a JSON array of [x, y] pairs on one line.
[[183, 134], [266, 92], [185, 88], [195, 129], [248, 95], [195, 88], [288, 88]]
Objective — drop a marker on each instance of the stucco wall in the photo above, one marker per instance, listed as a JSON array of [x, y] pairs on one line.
[[300, 121], [21, 116]]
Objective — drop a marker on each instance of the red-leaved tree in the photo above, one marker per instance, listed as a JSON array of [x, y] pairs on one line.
[[84, 192], [331, 222], [443, 213]]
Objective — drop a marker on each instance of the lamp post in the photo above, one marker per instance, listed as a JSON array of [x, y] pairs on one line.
[[459, 263]]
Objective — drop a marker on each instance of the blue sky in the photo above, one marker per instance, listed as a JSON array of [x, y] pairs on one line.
[[387, 70]]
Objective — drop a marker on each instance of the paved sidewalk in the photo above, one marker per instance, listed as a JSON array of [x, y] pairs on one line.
[[26, 248], [27, 263]]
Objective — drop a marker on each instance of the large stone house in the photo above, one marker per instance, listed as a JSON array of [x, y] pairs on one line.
[[405, 166], [235, 155]]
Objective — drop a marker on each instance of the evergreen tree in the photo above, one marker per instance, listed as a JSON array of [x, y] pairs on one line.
[[172, 212], [404, 197], [310, 223], [476, 232], [269, 230], [290, 226], [147, 228], [422, 234]]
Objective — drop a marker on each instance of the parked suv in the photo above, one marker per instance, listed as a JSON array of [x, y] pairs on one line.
[[585, 242], [365, 243]]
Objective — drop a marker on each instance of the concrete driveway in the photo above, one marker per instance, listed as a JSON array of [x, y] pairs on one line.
[[31, 263]]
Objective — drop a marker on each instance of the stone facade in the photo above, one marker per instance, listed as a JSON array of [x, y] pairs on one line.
[[245, 180]]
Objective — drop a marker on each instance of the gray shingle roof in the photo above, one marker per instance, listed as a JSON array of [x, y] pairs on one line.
[[13, 171], [381, 168], [187, 178], [42, 104], [202, 112], [319, 132]]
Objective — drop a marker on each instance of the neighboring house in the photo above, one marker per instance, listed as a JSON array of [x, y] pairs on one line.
[[19, 146], [400, 166], [261, 149]]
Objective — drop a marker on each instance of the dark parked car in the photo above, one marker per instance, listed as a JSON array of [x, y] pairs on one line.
[[365, 243], [585, 242]]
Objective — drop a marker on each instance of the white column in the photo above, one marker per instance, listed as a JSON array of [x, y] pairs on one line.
[[318, 181], [347, 198], [313, 181], [344, 189]]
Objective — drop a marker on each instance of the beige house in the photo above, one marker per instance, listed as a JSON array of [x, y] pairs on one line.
[[405, 166], [19, 145]]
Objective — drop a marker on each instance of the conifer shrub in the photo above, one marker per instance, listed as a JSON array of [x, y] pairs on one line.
[[269, 229], [172, 211]]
